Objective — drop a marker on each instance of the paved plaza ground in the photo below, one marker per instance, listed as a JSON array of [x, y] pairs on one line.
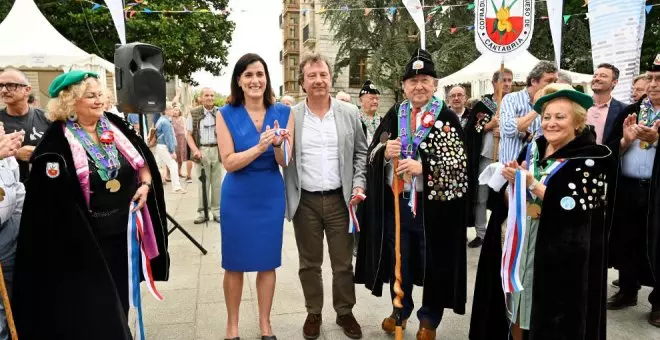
[[194, 306]]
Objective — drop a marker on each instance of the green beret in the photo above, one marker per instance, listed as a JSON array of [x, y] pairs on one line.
[[64, 80], [571, 94]]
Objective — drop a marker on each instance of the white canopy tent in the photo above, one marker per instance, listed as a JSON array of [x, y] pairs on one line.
[[29, 41], [479, 74]]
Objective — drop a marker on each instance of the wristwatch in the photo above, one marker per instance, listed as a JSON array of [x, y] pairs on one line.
[[532, 186], [148, 184]]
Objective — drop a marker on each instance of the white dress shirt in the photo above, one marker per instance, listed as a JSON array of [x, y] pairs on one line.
[[319, 152], [389, 168]]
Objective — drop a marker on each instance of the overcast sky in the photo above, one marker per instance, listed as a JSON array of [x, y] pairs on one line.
[[257, 31]]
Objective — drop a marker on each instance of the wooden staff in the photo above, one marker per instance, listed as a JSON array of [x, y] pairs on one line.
[[5, 303], [398, 306], [498, 96]]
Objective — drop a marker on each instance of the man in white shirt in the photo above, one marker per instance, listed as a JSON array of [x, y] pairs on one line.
[[203, 143], [329, 160]]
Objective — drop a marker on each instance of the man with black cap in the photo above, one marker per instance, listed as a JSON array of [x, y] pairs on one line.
[[426, 138], [369, 99], [635, 199]]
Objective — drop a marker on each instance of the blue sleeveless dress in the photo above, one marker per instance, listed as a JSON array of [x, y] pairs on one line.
[[252, 199]]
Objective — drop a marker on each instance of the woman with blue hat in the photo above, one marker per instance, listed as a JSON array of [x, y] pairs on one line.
[[93, 222]]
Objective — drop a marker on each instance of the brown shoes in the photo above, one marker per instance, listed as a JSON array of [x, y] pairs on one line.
[[654, 318], [312, 326], [425, 332], [350, 325], [389, 324]]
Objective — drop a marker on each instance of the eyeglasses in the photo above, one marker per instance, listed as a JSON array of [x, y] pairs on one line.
[[457, 95], [11, 86]]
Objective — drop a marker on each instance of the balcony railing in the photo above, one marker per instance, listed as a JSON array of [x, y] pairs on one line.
[[308, 35]]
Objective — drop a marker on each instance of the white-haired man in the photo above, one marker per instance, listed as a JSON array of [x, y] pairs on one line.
[[288, 101], [203, 143]]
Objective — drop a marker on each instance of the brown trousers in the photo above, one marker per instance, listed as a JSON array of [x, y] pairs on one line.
[[318, 213]]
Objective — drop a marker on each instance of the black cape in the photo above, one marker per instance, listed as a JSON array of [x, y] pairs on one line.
[[443, 272], [62, 286], [481, 113], [570, 263], [617, 235]]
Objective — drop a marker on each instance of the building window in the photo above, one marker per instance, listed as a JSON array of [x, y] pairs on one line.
[[293, 62], [357, 73], [292, 32]]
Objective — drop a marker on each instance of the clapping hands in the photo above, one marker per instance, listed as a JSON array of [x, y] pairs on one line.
[[632, 130], [10, 143], [510, 169]]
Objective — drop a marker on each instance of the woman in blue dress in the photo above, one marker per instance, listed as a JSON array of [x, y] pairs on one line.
[[252, 195]]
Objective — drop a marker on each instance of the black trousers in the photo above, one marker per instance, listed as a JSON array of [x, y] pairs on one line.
[[631, 216]]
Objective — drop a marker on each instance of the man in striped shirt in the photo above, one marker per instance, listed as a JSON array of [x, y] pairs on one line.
[[518, 120]]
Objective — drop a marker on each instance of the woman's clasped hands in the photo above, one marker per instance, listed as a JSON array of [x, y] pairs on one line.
[[510, 169]]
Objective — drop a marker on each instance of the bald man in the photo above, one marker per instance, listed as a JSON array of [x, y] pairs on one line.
[[457, 100], [345, 97], [18, 115]]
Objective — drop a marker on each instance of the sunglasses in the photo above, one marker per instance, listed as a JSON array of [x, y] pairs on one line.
[[11, 86]]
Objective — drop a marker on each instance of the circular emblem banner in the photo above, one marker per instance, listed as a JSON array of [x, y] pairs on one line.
[[503, 27]]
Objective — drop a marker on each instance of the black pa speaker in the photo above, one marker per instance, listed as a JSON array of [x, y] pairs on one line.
[[139, 78]]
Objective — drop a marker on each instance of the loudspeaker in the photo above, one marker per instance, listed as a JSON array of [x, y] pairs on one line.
[[139, 78]]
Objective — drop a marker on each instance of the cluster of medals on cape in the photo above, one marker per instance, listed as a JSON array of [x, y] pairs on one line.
[[105, 155], [410, 139], [646, 119]]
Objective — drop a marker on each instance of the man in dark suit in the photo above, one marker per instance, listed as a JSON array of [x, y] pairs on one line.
[[606, 109]]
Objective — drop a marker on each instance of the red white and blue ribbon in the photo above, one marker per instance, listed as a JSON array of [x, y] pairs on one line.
[[353, 225], [286, 146], [138, 261], [413, 196], [515, 236]]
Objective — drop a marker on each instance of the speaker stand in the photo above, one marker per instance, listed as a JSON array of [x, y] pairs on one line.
[[185, 233], [176, 224]]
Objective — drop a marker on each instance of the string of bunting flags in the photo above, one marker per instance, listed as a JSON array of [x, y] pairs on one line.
[[131, 10], [566, 18]]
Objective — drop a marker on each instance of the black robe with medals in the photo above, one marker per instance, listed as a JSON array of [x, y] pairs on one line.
[[443, 271], [481, 113], [570, 257], [63, 288], [651, 272]]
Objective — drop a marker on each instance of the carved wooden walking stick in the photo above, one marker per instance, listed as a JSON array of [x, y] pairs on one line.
[[397, 302], [5, 303]]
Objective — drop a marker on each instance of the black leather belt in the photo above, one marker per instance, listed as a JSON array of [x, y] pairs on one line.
[[209, 145], [324, 193], [642, 183]]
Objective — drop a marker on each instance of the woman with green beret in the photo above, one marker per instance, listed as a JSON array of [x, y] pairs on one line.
[[553, 268], [93, 222]]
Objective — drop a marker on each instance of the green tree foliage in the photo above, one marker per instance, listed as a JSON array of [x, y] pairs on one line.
[[190, 41], [390, 43], [651, 44]]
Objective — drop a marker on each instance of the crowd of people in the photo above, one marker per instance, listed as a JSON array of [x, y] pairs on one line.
[[570, 181]]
